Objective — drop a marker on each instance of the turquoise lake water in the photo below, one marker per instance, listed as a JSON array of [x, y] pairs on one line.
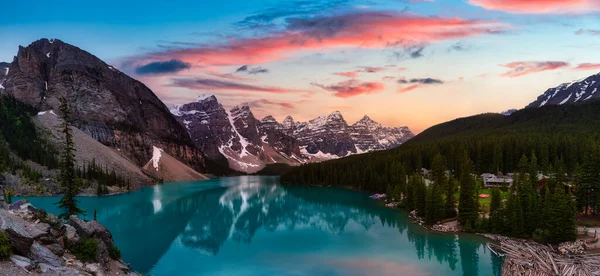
[[250, 225]]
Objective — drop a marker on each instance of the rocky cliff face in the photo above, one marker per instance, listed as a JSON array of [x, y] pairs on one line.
[[113, 108], [369, 135], [569, 93], [248, 144], [235, 137]]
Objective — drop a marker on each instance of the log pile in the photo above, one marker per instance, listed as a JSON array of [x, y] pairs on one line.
[[524, 257], [576, 247]]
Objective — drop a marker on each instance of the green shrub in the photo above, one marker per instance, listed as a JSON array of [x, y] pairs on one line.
[[86, 250], [114, 252], [5, 246]]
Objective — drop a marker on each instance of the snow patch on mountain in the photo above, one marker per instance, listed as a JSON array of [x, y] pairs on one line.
[[156, 155]]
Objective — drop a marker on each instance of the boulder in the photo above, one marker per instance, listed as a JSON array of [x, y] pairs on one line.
[[20, 261], [17, 204], [44, 227], [102, 233], [84, 229], [71, 235], [93, 268], [60, 271], [102, 254], [56, 249], [91, 229], [44, 255], [19, 237]]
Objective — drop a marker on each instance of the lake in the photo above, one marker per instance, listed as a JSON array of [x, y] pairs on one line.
[[251, 225]]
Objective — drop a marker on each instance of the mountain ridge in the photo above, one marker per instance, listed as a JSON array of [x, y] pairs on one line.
[[573, 92], [249, 144]]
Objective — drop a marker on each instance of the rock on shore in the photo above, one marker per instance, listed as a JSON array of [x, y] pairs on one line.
[[42, 244]]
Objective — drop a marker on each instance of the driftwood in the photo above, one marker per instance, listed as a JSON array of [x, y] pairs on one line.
[[523, 257]]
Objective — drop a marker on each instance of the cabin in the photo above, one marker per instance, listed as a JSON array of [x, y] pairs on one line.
[[497, 181]]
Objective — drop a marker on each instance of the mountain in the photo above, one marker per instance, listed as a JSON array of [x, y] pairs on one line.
[[237, 138], [508, 112], [568, 93], [113, 108]]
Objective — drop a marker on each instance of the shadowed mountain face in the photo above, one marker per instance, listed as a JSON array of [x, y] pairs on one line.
[[253, 224], [110, 106]]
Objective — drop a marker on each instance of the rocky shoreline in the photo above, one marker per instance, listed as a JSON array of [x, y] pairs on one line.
[[42, 244]]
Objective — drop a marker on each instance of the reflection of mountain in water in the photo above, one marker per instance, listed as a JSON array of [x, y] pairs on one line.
[[204, 219]]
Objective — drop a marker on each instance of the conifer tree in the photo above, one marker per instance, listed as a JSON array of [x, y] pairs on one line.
[[468, 205], [496, 214], [69, 184], [419, 194]]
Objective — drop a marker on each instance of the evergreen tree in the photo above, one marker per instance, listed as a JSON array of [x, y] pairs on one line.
[[496, 212], [468, 205], [419, 194], [588, 187], [69, 184]]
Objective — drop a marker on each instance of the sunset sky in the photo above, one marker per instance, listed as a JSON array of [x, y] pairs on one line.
[[402, 62]]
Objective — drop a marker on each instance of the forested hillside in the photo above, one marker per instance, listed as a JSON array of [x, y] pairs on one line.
[[21, 141], [494, 143]]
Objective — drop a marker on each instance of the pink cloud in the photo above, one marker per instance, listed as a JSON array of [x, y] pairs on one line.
[[352, 74], [408, 88], [213, 84], [522, 68], [387, 78], [365, 29], [351, 88], [540, 6], [265, 103], [588, 66]]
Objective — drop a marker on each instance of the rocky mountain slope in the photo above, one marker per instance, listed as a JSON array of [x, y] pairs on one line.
[[168, 169], [247, 144], [108, 105], [568, 93], [88, 150]]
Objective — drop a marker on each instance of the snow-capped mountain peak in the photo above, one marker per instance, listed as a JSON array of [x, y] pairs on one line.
[[248, 144], [205, 97], [568, 93]]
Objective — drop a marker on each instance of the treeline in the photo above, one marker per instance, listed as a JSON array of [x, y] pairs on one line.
[[93, 173], [558, 141], [543, 209]]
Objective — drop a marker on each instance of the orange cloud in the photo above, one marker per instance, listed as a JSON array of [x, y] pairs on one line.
[[588, 66], [351, 88], [366, 29], [408, 88], [540, 6], [522, 68]]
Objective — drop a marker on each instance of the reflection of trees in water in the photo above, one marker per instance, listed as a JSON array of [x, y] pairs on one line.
[[440, 247], [496, 265], [469, 259]]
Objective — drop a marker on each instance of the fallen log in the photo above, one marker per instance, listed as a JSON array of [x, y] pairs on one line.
[[525, 257]]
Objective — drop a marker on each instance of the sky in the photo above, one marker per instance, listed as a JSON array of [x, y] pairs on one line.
[[401, 62]]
